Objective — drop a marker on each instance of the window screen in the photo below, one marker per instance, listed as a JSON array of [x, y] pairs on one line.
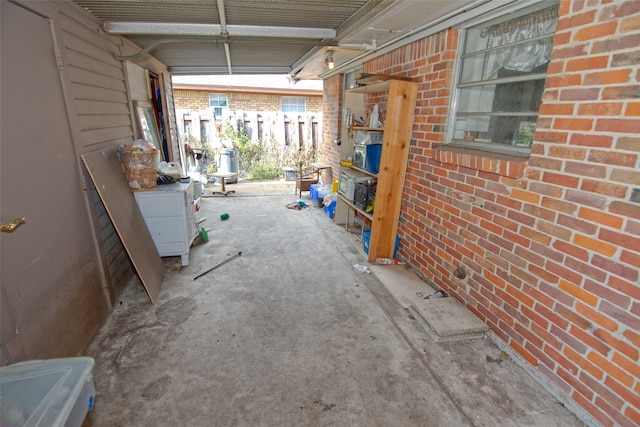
[[501, 76]]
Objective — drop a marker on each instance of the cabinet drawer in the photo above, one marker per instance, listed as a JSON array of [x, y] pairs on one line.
[[164, 230], [161, 205]]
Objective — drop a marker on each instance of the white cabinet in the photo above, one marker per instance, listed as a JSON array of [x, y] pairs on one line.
[[170, 214]]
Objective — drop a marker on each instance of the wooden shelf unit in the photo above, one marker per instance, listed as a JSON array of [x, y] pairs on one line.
[[399, 111]]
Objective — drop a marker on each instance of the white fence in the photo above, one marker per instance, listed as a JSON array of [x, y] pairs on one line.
[[293, 129]]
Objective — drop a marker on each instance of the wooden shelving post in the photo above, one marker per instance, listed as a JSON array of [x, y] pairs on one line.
[[398, 128]]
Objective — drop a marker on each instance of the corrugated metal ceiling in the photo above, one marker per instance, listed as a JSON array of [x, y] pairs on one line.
[[262, 36]]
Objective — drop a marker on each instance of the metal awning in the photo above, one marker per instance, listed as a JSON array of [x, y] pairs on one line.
[[296, 37]]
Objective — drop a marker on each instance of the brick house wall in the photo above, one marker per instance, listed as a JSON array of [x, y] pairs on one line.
[[551, 245], [259, 113], [196, 100], [332, 122]]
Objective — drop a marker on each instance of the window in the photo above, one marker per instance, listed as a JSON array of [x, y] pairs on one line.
[[501, 76], [218, 101], [294, 104]]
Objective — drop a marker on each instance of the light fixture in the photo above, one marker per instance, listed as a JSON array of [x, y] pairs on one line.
[[328, 60]]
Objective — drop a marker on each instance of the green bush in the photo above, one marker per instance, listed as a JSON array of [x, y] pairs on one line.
[[265, 160]]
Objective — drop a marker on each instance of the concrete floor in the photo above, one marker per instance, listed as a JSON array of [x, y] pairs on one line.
[[290, 334]]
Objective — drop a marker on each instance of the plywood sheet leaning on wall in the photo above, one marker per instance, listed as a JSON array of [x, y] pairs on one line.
[[106, 174]]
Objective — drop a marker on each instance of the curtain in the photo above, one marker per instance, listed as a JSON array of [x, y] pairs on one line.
[[514, 52]]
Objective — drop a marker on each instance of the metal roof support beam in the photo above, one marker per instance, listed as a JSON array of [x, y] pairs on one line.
[[225, 70], [168, 29], [223, 27]]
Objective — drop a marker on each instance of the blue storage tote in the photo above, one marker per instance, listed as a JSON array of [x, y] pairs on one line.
[[331, 209], [313, 191], [372, 160], [318, 192], [366, 239]]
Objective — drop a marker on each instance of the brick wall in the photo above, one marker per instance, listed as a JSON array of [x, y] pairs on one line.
[[551, 245], [331, 123], [197, 100], [191, 99]]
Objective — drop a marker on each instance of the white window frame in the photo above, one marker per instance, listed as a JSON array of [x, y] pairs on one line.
[[219, 102], [299, 101], [455, 99]]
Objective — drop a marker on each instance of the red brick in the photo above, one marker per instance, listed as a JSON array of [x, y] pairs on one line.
[[616, 43], [600, 217], [630, 258], [566, 273], [608, 77], [633, 109], [560, 179], [633, 337], [578, 359], [573, 51], [576, 20], [626, 176], [618, 125], [545, 189], [583, 94], [587, 199], [620, 315], [630, 24], [557, 67], [621, 346], [569, 340], [633, 415], [572, 316], [610, 369], [600, 187], [625, 393], [625, 59], [592, 140], [571, 250], [620, 239], [567, 109], [587, 338], [615, 267], [594, 245], [620, 10], [595, 31], [613, 158], [585, 169], [524, 353], [625, 209], [587, 63], [621, 92], [574, 124], [597, 317], [588, 406], [545, 163], [600, 109]]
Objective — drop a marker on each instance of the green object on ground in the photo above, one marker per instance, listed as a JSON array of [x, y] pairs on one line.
[[204, 236], [224, 216]]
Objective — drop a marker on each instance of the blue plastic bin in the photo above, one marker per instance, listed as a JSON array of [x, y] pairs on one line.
[[372, 161], [313, 191], [366, 239], [331, 209]]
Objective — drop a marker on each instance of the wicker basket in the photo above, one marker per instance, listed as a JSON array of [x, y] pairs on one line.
[[141, 169]]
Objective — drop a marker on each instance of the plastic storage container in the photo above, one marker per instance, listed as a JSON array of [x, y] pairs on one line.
[[47, 393], [318, 192], [366, 239], [290, 173], [331, 209], [372, 159]]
